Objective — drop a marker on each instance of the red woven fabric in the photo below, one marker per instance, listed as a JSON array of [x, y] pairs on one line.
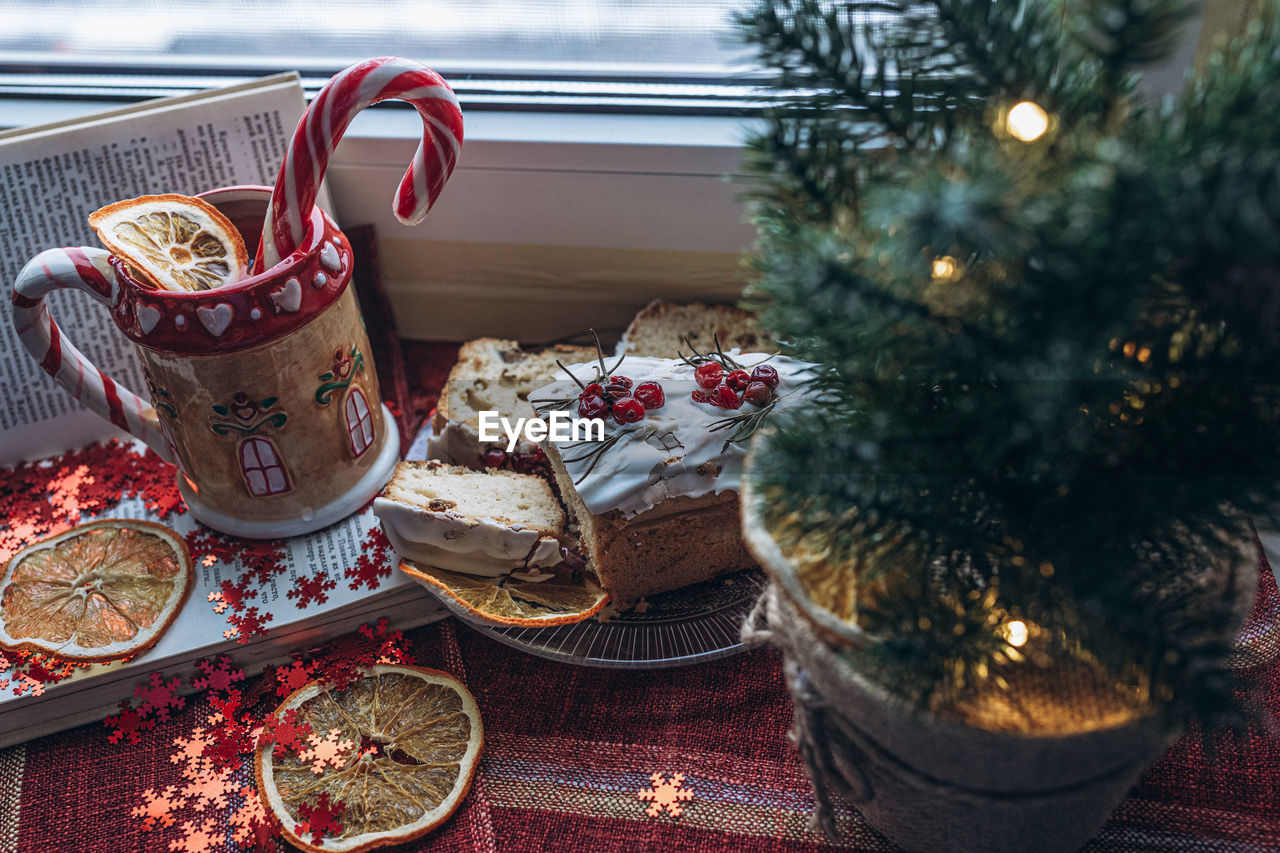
[[567, 750]]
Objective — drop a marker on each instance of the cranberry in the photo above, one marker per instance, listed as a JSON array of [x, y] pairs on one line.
[[529, 463], [757, 392], [493, 458], [725, 397], [766, 374], [737, 379], [614, 390], [592, 390], [650, 395], [700, 396], [620, 380], [708, 375], [593, 407], [627, 410]]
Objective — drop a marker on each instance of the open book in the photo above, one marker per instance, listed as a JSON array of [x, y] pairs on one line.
[[51, 178]]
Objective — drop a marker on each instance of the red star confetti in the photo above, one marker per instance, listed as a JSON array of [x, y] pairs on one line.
[[292, 677], [64, 492], [127, 724], [665, 795], [328, 750], [285, 732], [219, 674], [247, 625], [321, 819], [250, 824], [157, 808], [210, 787], [159, 697], [312, 589], [234, 595], [190, 749], [374, 563], [199, 838], [347, 658]]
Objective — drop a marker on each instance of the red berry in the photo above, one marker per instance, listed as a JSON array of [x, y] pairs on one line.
[[700, 396], [493, 458], [767, 374], [757, 392], [708, 375], [725, 397], [620, 380], [593, 407], [650, 395], [614, 390], [737, 379], [592, 390], [627, 410]]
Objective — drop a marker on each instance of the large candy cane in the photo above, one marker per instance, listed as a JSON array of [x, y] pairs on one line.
[[321, 128]]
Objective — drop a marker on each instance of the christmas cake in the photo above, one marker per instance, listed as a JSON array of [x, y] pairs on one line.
[[656, 502], [492, 375], [488, 522], [662, 329]]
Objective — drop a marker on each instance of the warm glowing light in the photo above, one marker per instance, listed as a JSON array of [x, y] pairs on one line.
[[1027, 121], [1016, 633], [944, 267]]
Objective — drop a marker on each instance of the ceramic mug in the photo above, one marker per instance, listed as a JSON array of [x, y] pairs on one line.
[[263, 393]]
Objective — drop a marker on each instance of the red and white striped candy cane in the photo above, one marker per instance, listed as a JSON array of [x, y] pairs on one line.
[[321, 128], [86, 270]]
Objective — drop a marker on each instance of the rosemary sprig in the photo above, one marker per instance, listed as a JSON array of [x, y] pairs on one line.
[[575, 379], [604, 372], [743, 425], [598, 450], [552, 404], [726, 361]]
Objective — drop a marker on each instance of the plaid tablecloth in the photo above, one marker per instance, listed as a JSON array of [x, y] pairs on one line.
[[569, 749]]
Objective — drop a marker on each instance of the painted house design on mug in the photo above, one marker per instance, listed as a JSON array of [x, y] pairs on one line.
[[357, 418]]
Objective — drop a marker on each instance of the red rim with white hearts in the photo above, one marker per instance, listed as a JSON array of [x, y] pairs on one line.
[[257, 310]]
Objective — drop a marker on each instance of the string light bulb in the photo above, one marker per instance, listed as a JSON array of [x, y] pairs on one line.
[[944, 268], [1027, 121], [1016, 633]]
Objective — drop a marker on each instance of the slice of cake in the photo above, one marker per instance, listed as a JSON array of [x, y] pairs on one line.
[[660, 330], [492, 375], [478, 522], [656, 501]]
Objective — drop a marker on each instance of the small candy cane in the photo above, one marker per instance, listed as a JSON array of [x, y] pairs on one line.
[[321, 128]]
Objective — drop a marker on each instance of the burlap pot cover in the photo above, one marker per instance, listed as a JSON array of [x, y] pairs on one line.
[[934, 784]]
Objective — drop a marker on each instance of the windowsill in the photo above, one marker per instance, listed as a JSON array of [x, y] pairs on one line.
[[552, 222], [663, 144]]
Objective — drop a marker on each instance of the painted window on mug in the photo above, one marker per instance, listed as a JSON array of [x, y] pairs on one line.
[[359, 422], [264, 473]]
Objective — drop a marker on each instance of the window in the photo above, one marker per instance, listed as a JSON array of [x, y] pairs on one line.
[[359, 422], [264, 473], [633, 54]]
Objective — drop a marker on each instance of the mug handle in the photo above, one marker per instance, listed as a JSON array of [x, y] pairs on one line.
[[88, 271]]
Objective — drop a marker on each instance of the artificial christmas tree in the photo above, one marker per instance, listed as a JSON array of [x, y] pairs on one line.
[[1046, 319]]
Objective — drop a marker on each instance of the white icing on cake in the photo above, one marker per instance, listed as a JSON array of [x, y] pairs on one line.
[[476, 546], [671, 452]]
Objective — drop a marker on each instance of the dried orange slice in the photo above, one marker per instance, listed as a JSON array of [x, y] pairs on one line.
[[392, 755], [174, 242], [511, 602], [97, 592]]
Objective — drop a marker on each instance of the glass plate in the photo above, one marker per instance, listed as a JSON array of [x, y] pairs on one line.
[[685, 626]]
